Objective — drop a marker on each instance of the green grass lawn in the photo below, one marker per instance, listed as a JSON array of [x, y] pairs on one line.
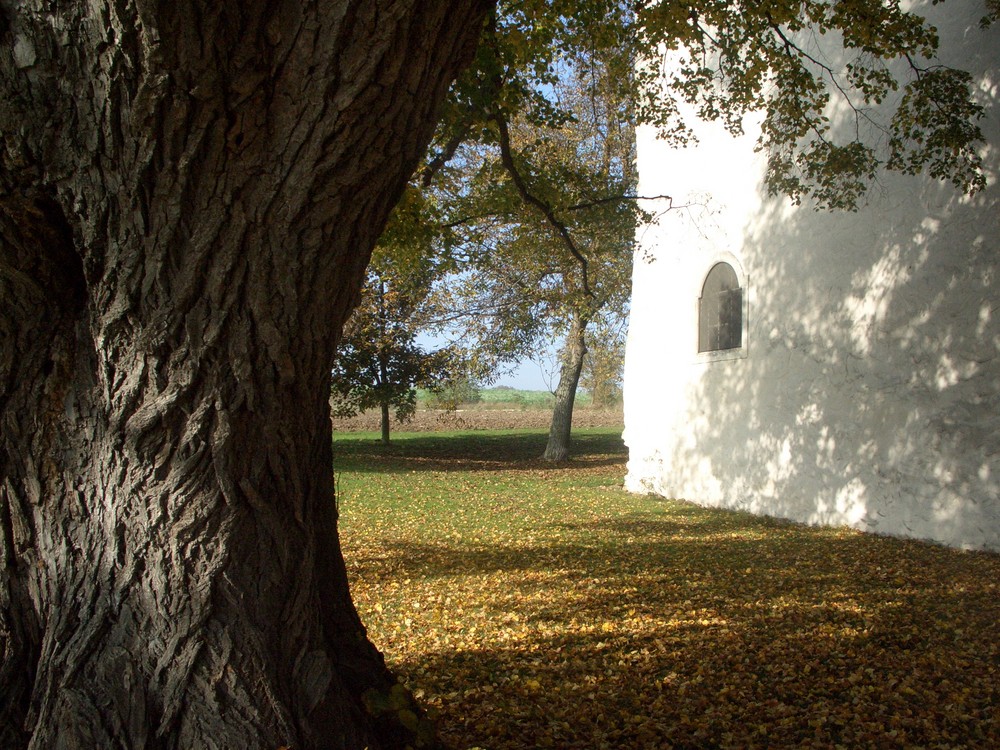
[[531, 606]]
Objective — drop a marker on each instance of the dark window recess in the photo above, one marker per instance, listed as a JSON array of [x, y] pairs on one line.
[[720, 311]]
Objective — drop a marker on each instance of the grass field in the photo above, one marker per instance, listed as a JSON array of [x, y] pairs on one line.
[[529, 606]]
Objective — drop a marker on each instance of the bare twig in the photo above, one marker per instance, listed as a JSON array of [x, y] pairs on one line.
[[618, 199]]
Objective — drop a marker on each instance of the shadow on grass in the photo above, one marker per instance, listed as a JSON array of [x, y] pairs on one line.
[[536, 613], [475, 450], [701, 629]]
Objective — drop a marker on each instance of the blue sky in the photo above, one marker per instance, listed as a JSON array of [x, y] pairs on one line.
[[529, 376]]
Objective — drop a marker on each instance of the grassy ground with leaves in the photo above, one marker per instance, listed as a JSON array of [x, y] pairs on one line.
[[531, 606]]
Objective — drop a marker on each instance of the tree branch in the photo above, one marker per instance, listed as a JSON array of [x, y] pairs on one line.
[[618, 199], [792, 50], [444, 156], [507, 158], [574, 207]]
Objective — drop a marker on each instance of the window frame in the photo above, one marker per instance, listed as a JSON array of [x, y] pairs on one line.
[[743, 350]]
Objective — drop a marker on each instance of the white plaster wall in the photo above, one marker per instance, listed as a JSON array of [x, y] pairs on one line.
[[868, 391]]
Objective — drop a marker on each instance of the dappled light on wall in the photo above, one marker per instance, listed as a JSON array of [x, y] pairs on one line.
[[866, 395]]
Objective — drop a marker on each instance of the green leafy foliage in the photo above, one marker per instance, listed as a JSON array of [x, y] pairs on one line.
[[457, 392], [816, 70], [992, 13], [379, 363], [532, 606], [934, 128]]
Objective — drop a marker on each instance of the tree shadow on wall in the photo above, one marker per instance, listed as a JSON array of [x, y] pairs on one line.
[[869, 394]]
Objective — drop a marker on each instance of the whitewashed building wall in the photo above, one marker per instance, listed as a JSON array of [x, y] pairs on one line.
[[866, 392]]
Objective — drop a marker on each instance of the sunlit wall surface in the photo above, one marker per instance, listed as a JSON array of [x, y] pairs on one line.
[[866, 390]]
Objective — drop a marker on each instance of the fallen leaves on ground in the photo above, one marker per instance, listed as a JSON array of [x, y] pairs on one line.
[[529, 606]]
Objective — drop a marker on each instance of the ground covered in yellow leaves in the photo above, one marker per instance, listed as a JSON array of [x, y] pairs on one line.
[[529, 606]]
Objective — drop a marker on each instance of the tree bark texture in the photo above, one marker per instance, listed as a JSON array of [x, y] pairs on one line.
[[385, 423], [383, 364], [189, 193], [574, 351]]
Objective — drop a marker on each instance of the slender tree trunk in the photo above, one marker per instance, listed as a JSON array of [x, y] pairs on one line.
[[383, 361], [385, 424], [574, 351], [189, 193]]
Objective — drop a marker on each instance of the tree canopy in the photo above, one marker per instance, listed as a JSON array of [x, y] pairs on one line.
[[805, 65], [543, 222]]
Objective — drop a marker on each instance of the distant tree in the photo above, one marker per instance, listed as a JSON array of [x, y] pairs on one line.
[[379, 363], [457, 391], [603, 369], [546, 217]]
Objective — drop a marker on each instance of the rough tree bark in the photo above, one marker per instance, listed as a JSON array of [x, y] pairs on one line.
[[385, 424], [189, 192], [383, 362], [574, 351]]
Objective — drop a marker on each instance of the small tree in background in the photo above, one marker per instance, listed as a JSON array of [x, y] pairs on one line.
[[458, 390], [545, 200], [379, 364], [603, 369]]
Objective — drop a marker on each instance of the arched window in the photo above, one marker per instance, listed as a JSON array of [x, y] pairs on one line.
[[720, 311]]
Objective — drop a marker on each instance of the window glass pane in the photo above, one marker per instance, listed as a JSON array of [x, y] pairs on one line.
[[720, 310]]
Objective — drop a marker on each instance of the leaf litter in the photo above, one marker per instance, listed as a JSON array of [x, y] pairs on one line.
[[531, 606]]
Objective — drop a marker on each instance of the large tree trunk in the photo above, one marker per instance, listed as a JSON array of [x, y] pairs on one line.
[[574, 351], [189, 193]]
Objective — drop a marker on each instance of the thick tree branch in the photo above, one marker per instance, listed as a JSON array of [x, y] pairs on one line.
[[507, 158], [446, 154]]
